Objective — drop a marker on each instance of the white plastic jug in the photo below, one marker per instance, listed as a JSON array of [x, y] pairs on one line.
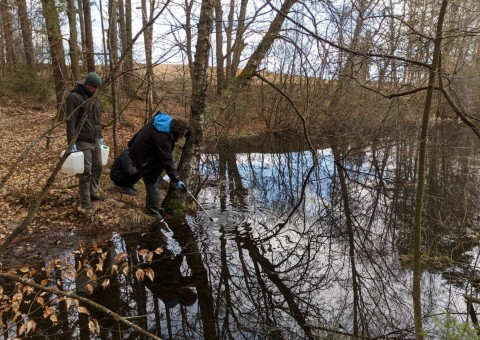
[[73, 165], [105, 152]]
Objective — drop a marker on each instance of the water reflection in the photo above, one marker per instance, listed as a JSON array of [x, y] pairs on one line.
[[338, 264]]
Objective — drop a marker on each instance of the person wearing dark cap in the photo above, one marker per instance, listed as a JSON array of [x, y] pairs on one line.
[[90, 139]]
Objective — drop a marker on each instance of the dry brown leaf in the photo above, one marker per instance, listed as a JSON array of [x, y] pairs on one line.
[[40, 301], [150, 273], [126, 270], [114, 269], [54, 319], [22, 329], [90, 288], [159, 250], [47, 311], [140, 274], [91, 274], [149, 257], [94, 327], [105, 283], [24, 270], [142, 252], [83, 310]]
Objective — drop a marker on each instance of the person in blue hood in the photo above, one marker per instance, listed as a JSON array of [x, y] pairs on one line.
[[151, 150]]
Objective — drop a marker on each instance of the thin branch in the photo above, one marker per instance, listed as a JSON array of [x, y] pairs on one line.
[[55, 290], [346, 49]]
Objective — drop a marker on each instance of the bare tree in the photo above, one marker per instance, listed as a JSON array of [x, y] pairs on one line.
[[56, 53], [417, 249], [89, 50], [113, 48], [7, 29], [26, 35], [81, 21], [147, 14], [73, 39]]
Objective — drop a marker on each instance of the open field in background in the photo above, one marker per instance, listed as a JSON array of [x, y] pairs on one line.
[[258, 108]]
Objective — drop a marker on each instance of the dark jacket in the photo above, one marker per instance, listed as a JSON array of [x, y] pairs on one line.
[[151, 149], [92, 129], [123, 170]]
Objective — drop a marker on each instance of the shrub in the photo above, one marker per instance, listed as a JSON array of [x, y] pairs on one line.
[[21, 79]]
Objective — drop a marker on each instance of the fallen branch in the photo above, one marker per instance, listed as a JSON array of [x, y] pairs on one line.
[[103, 309]]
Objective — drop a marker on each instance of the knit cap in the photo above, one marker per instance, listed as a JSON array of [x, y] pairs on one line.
[[93, 79]]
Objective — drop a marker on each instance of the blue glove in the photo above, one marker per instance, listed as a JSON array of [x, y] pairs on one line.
[[181, 186], [74, 148], [101, 141]]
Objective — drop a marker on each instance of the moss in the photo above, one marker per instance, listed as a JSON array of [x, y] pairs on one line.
[[429, 261]]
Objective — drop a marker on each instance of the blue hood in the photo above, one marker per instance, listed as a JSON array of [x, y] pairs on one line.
[[161, 121]]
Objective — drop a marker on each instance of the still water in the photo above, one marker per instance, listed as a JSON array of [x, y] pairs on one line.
[[309, 243]]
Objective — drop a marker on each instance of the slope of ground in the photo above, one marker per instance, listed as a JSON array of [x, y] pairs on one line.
[[59, 223]]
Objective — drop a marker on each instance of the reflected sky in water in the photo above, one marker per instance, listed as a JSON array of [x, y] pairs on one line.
[[300, 250]]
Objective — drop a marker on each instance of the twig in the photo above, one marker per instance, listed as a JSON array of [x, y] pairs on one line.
[[55, 290]]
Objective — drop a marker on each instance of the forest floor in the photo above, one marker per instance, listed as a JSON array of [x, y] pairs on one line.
[[59, 224]]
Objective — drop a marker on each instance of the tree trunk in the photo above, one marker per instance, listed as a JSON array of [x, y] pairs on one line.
[[123, 43], [102, 25], [148, 36], [56, 52], [82, 35], [89, 51], [7, 28], [417, 232], [238, 44], [245, 76], [113, 48], [128, 49], [73, 39], [26, 35], [192, 148], [219, 47], [188, 35]]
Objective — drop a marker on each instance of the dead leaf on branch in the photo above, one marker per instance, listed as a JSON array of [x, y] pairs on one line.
[[91, 274], [90, 288], [94, 327], [54, 319], [105, 283], [48, 310], [150, 273], [28, 327], [83, 310], [140, 274]]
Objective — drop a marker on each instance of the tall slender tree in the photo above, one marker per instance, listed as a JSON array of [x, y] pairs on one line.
[[89, 50], [147, 14], [73, 39], [56, 53], [7, 30], [81, 21], [26, 35], [417, 231], [128, 49], [113, 49]]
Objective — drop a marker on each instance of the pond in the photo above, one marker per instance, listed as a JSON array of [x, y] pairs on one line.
[[309, 243]]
